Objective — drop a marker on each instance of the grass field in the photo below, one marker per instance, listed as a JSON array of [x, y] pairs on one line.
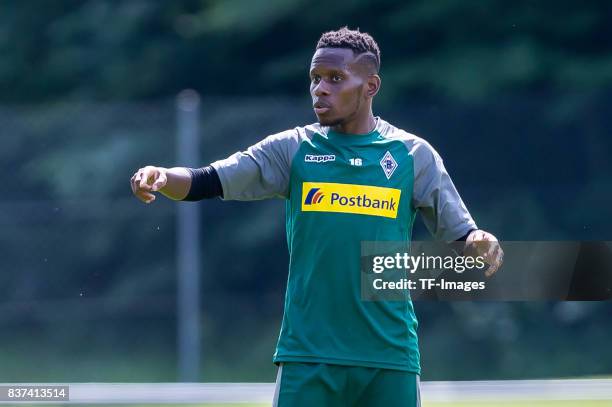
[[526, 403], [576, 403]]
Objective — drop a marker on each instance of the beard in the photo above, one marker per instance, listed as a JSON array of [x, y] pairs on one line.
[[331, 122]]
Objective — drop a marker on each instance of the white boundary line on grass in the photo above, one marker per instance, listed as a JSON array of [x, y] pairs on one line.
[[462, 391]]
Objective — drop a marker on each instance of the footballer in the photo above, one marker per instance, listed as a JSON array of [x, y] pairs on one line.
[[348, 178]]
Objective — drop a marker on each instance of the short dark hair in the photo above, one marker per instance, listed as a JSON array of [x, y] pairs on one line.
[[359, 42]]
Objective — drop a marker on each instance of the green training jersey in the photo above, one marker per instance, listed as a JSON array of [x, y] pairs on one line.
[[340, 190]]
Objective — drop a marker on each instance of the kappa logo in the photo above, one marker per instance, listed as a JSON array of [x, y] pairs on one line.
[[388, 164], [350, 198], [319, 158]]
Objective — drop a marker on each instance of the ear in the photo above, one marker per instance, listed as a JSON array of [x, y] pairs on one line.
[[372, 85]]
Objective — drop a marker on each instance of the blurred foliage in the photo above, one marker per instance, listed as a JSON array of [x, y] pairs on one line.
[[515, 96], [106, 49], [88, 272]]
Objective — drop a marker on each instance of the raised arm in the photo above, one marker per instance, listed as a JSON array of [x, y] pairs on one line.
[[260, 172]]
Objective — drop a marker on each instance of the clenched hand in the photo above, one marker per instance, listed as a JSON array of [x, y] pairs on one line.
[[147, 180], [484, 244]]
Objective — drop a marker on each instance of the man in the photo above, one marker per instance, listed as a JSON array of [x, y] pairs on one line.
[[335, 349]]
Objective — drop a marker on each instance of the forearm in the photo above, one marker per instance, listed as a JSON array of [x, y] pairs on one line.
[[178, 185]]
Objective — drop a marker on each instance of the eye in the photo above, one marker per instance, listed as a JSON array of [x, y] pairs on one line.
[[336, 78], [316, 78]]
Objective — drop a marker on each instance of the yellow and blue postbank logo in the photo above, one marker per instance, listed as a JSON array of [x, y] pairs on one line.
[[350, 198]]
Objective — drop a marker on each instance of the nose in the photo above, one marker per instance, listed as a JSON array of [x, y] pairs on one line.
[[320, 89]]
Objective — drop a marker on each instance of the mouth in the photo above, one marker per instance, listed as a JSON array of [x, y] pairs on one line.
[[321, 108]]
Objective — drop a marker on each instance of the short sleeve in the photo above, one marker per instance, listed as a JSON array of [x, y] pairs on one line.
[[260, 172], [435, 196]]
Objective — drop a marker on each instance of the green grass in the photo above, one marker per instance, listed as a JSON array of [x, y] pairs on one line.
[[526, 403], [577, 403]]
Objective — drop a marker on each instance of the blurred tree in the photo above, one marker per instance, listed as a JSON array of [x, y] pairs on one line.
[[451, 48], [523, 88]]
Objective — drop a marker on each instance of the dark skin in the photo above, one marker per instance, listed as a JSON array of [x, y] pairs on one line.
[[342, 86]]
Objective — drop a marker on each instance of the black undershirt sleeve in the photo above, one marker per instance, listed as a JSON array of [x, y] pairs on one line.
[[205, 184], [464, 237]]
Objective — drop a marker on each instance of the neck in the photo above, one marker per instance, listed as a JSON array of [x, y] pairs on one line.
[[360, 125]]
